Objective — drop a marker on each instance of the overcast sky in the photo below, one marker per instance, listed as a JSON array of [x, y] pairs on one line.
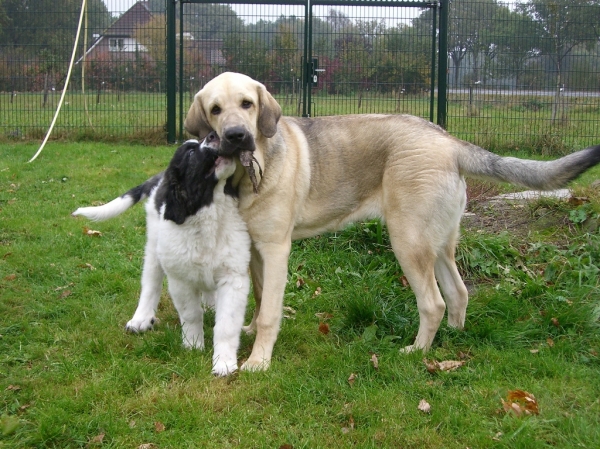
[[252, 13]]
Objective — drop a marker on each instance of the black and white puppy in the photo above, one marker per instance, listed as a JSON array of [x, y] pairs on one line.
[[196, 237]]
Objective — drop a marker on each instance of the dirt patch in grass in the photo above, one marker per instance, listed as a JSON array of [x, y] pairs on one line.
[[519, 217]]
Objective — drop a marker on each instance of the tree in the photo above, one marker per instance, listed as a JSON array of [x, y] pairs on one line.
[[562, 25], [518, 43]]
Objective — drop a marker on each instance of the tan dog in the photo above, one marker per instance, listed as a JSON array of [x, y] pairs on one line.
[[322, 173]]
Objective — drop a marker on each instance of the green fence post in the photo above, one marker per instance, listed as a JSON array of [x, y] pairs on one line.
[[171, 73], [443, 64]]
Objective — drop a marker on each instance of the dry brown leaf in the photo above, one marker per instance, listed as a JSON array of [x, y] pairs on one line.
[[352, 379], [324, 316], [534, 351], [374, 360], [288, 312], [147, 446], [300, 282], [404, 281], [424, 406], [89, 266], [317, 292], [159, 427], [13, 388], [555, 322], [324, 328], [96, 440], [550, 342], [91, 232], [286, 446], [65, 294], [10, 277], [521, 403], [434, 366]]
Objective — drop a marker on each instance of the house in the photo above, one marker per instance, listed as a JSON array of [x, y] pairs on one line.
[[118, 41]]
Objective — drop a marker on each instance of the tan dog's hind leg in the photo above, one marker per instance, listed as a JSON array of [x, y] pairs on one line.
[[275, 267], [452, 285]]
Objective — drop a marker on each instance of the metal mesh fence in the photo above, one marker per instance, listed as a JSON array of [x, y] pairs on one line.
[[524, 74], [117, 83], [521, 74]]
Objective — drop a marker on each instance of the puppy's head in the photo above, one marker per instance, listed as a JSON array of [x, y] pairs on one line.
[[191, 178], [238, 108]]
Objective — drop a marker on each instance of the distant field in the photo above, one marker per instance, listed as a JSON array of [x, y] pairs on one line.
[[498, 121]]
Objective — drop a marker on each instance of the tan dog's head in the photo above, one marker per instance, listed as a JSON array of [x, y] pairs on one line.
[[238, 108]]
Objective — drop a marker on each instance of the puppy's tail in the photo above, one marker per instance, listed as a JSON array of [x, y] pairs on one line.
[[122, 203], [539, 175]]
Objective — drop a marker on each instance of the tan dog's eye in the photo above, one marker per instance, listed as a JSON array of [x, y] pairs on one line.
[[216, 110], [246, 104]]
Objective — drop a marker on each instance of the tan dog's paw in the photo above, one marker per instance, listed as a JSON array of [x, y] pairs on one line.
[[256, 365]]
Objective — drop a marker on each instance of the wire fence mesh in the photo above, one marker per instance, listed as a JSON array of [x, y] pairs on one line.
[[521, 74]]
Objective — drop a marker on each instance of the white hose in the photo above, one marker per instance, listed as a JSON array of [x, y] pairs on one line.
[[62, 97]]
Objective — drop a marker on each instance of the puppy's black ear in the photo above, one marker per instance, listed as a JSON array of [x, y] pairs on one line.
[[175, 205], [195, 122], [269, 112]]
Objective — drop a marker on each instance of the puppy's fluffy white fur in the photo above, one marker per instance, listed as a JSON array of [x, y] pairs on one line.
[[205, 257]]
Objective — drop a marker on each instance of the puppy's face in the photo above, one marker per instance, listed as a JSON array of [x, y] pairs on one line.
[[192, 176]]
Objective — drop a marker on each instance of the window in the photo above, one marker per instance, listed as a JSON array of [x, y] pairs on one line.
[[115, 44]]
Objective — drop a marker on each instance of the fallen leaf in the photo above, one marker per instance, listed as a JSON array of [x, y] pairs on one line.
[[288, 312], [434, 366], [147, 446], [65, 294], [57, 289], [317, 292], [497, 436], [534, 351], [374, 360], [10, 277], [300, 283], [352, 379], [521, 403], [286, 446], [6, 256], [350, 426], [13, 388], [91, 232], [87, 265], [159, 427], [324, 328], [324, 316], [96, 440], [550, 342], [555, 322], [404, 281], [424, 406]]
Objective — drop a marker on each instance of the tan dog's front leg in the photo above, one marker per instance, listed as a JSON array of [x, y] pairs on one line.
[[257, 273], [275, 262]]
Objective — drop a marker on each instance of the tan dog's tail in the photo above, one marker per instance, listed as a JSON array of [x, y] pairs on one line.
[[540, 175]]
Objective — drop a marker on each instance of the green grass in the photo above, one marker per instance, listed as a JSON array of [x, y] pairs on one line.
[[70, 374]]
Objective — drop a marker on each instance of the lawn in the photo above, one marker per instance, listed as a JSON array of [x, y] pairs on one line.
[[70, 376]]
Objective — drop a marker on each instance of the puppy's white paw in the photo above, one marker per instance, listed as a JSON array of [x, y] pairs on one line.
[[223, 368], [137, 325]]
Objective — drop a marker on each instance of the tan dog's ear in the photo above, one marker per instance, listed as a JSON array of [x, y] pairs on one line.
[[270, 112], [195, 122]]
